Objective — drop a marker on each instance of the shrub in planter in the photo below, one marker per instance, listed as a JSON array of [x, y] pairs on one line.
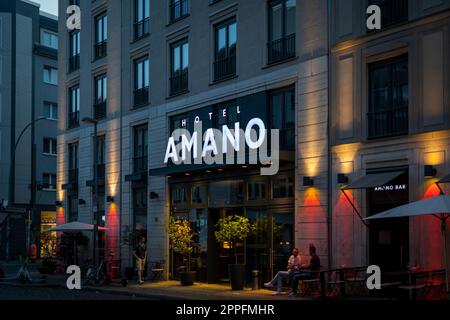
[[180, 236], [232, 229]]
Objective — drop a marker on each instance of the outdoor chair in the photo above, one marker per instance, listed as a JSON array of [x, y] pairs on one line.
[[335, 284], [157, 270], [435, 286], [355, 282], [309, 288]]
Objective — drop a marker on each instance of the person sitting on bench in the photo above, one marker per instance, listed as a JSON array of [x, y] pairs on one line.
[[309, 272], [293, 266]]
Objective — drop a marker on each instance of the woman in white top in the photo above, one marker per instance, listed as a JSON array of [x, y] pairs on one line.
[[294, 264]]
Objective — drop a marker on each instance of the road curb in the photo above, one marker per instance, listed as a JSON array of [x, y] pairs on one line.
[[156, 296]]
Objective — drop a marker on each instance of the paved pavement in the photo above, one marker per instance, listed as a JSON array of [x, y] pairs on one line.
[[46, 293]]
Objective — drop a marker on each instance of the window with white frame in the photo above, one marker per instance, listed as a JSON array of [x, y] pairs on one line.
[[51, 110], [50, 75], [50, 146]]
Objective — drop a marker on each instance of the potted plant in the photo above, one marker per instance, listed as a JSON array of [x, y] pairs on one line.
[[180, 236], [232, 229]]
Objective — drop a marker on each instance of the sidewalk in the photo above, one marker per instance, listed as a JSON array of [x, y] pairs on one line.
[[199, 291]]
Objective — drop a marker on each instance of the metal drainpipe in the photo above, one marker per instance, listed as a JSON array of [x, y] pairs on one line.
[[120, 144]]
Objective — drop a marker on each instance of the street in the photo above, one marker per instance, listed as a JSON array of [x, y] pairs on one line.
[[56, 293]]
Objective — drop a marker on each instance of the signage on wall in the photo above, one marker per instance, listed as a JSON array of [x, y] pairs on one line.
[[225, 141], [391, 187]]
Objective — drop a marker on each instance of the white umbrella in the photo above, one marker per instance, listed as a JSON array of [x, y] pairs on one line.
[[438, 206], [74, 227]]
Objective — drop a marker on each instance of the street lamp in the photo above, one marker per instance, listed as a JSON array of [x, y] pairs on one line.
[[11, 196], [95, 204]]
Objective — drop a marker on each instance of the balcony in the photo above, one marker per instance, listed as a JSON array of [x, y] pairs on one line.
[[101, 49], [225, 68], [141, 97], [287, 138], [74, 119], [100, 110], [178, 10], [140, 164], [74, 63], [179, 82], [388, 123], [392, 11], [141, 29], [281, 49]]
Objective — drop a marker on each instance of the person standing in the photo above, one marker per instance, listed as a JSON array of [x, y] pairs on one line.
[[140, 254], [294, 264]]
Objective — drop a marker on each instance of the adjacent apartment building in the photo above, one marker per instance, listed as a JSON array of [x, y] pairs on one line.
[[28, 91], [140, 69], [389, 130]]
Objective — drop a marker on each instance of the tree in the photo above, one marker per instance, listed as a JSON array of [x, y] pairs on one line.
[[232, 229], [180, 236]]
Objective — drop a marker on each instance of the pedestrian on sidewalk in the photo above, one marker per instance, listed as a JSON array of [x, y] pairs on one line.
[[294, 264], [140, 254]]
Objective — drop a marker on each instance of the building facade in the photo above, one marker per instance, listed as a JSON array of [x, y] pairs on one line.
[[141, 69], [28, 91], [389, 130]]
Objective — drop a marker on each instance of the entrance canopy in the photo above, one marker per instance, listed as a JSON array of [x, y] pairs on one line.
[[74, 227], [373, 180]]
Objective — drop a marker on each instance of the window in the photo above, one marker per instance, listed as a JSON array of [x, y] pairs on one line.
[[49, 39], [101, 35], [74, 107], [282, 108], [140, 209], [50, 75], [142, 18], [50, 146], [225, 51], [51, 110], [74, 2], [178, 9], [73, 162], [49, 181], [141, 81], [282, 28], [179, 67], [140, 149], [283, 188], [101, 92], [74, 53], [393, 11], [388, 98], [72, 207], [100, 141], [256, 190]]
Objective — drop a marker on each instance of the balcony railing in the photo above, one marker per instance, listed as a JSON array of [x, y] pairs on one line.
[[392, 11], [74, 63], [224, 68], [140, 164], [179, 9], [101, 49], [388, 123], [74, 119], [141, 28], [179, 82], [281, 49], [100, 110], [141, 96], [287, 138], [73, 176]]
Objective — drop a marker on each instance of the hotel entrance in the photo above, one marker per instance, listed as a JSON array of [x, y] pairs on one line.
[[267, 202]]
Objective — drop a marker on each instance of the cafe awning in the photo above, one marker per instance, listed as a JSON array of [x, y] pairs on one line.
[[373, 180]]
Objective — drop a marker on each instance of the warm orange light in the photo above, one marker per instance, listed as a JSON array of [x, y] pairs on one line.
[[434, 158]]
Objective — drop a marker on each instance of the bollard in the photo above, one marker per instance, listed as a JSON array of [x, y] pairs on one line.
[[255, 279]]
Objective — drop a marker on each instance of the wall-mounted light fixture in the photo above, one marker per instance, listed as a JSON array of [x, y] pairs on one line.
[[58, 204], [308, 182], [109, 199], [81, 202], [342, 178], [429, 171], [153, 195]]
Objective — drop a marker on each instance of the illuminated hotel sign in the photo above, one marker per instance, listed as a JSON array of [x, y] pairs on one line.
[[229, 139]]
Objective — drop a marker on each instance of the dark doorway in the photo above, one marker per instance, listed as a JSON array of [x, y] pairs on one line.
[[389, 238]]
